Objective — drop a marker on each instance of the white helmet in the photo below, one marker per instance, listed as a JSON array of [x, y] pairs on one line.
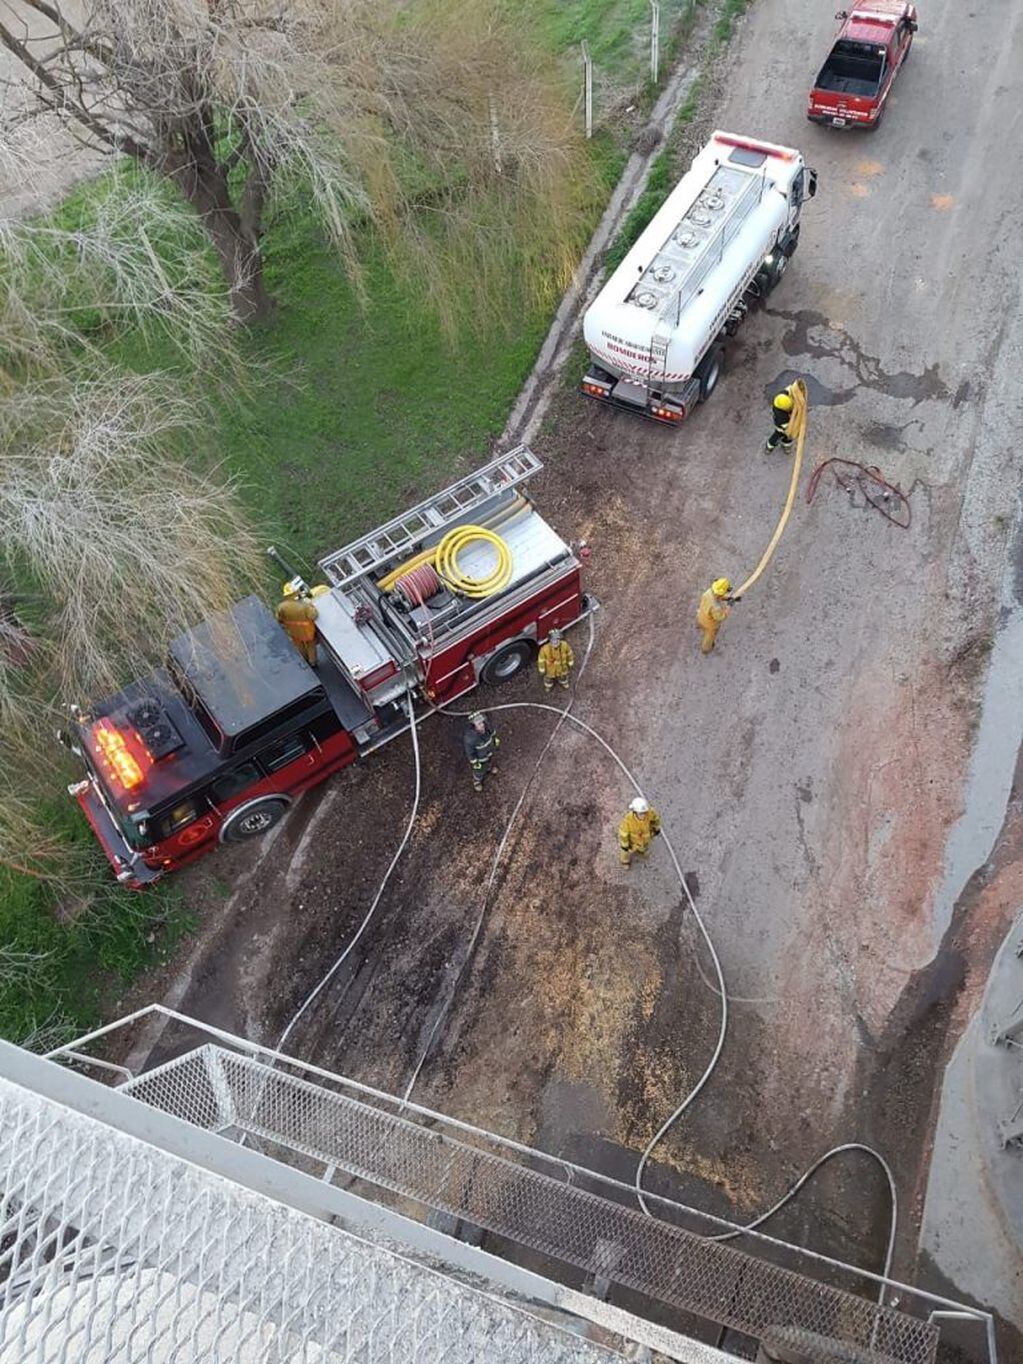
[[639, 806], [555, 637]]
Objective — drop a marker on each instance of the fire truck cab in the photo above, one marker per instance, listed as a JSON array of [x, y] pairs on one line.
[[214, 746]]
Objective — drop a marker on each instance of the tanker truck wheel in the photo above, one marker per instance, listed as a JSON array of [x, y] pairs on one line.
[[709, 371]]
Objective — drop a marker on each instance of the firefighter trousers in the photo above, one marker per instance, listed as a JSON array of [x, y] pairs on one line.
[[779, 436]]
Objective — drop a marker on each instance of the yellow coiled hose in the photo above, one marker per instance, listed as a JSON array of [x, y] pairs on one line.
[[506, 515], [446, 562]]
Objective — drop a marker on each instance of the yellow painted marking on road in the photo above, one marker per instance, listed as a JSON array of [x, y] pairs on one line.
[[942, 202], [869, 168], [859, 191]]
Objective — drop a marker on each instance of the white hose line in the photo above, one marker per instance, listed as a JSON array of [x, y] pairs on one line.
[[382, 887], [691, 1096], [808, 1174], [562, 716], [662, 1131]]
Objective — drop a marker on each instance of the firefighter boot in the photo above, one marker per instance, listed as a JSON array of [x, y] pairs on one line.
[[548, 683], [564, 682]]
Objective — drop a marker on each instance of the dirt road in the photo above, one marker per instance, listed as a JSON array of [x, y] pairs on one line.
[[810, 770]]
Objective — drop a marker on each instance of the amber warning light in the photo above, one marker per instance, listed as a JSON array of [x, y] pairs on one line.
[[122, 762]]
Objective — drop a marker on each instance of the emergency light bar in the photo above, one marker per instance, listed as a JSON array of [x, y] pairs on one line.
[[747, 144], [119, 762]]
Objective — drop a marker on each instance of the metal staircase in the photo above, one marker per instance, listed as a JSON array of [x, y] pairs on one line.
[[406, 533]]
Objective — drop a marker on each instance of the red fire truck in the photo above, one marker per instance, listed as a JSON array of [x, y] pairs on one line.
[[214, 746]]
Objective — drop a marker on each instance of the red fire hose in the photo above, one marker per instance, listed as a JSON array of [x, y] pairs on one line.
[[887, 498]]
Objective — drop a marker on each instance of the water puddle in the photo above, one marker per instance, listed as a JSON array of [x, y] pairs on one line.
[[992, 766]]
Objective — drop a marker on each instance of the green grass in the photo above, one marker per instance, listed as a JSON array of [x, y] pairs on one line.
[[617, 31], [731, 11], [61, 961], [360, 408]]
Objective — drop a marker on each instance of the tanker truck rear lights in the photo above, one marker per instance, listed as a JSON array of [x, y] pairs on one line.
[[123, 763], [596, 390], [668, 414]]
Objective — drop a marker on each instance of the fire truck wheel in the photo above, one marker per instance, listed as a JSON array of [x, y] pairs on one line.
[[709, 371], [507, 662], [252, 820]]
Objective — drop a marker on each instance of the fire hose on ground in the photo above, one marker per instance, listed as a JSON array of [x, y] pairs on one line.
[[797, 424], [563, 716]]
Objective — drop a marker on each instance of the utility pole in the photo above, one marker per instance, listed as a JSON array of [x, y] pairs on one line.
[[655, 38], [588, 87]]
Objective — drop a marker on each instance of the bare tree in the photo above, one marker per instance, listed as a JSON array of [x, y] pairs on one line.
[[136, 257], [363, 109], [126, 543]]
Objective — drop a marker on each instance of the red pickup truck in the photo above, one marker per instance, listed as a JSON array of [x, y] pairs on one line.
[[854, 83]]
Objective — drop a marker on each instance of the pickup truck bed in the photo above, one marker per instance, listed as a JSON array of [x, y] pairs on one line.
[[850, 76]]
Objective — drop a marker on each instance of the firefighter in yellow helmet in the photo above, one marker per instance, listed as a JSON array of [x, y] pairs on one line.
[[637, 830], [715, 605], [782, 408], [298, 616], [555, 661]]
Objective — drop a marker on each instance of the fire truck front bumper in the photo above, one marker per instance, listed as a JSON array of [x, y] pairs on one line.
[[127, 865]]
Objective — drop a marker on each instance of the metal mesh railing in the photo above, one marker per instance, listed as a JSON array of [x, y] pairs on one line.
[[111, 1249], [221, 1090]]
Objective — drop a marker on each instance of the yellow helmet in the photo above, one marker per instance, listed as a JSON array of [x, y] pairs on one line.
[[292, 588], [784, 401], [721, 587]]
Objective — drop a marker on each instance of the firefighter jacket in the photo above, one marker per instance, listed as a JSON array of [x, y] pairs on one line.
[[555, 660], [480, 748], [297, 615], [712, 610], [636, 831]]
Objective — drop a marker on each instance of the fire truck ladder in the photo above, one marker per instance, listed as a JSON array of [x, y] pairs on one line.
[[728, 199], [403, 536]]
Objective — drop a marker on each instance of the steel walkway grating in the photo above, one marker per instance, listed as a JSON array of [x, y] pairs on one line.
[[113, 1251], [220, 1090]]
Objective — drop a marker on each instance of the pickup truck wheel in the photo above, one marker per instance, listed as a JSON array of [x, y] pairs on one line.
[[709, 371], [507, 662], [253, 819]]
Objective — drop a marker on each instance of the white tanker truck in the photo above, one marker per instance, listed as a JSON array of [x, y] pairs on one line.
[[656, 332]]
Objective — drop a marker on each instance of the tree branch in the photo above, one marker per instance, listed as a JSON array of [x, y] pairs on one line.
[[61, 103]]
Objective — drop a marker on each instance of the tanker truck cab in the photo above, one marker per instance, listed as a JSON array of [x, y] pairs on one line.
[[658, 329]]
